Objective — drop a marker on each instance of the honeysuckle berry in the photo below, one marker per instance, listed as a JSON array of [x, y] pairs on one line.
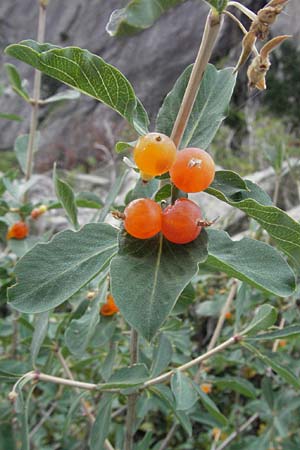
[[154, 154], [142, 218], [181, 222], [193, 170], [109, 308], [18, 230]]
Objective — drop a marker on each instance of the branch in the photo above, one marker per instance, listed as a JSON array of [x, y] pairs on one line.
[[240, 430]]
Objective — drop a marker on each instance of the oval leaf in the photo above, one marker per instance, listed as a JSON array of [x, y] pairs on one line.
[[87, 73], [51, 273], [208, 111], [80, 331], [66, 196], [162, 355], [264, 318], [100, 428], [284, 230], [40, 332], [254, 262], [127, 377], [147, 277], [138, 15], [288, 332], [184, 391]]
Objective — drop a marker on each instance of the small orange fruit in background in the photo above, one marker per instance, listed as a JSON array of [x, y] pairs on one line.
[[154, 153], [37, 212], [18, 230], [228, 315], [206, 388], [180, 221], [193, 170], [109, 308], [142, 218]]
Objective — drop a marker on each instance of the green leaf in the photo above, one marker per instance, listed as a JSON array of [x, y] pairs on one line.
[[40, 332], [67, 94], [100, 428], [236, 384], [284, 373], [208, 111], [11, 117], [284, 230], [288, 332], [163, 193], [88, 200], [264, 318], [112, 194], [152, 273], [211, 407], [87, 73], [121, 146], [16, 82], [80, 331], [21, 147], [183, 390], [138, 15], [66, 196], [108, 364], [165, 394], [128, 377], [162, 355], [218, 5], [49, 274], [254, 262], [142, 190], [187, 296]]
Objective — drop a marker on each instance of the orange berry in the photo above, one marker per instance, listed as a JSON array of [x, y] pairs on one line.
[[228, 315], [154, 153], [206, 388], [282, 343], [37, 212], [180, 221], [193, 170], [142, 218], [18, 230], [109, 308]]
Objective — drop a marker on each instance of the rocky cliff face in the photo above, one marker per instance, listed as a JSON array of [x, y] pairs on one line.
[[85, 130]]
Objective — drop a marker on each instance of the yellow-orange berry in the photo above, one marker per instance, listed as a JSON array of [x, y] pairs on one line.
[[193, 170], [109, 308], [206, 388], [180, 222], [37, 212], [142, 218], [18, 230], [228, 315], [154, 154], [282, 343]]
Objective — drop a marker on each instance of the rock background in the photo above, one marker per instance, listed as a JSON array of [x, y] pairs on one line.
[[85, 131]]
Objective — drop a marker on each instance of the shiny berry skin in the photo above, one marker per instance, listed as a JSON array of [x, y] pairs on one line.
[[18, 230], [109, 308], [193, 170], [154, 153], [142, 218], [180, 221]]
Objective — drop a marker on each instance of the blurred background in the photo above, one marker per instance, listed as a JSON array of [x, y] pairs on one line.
[[260, 135]]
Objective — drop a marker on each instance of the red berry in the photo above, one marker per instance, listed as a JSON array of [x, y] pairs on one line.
[[180, 221], [142, 218], [154, 154], [193, 170], [18, 230]]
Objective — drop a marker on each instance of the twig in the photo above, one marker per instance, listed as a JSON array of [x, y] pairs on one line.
[[220, 324], [43, 420], [131, 407], [36, 94], [211, 31], [194, 362], [240, 430], [276, 343], [168, 438], [250, 14]]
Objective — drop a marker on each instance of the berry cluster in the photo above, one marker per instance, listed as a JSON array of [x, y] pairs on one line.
[[191, 170]]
